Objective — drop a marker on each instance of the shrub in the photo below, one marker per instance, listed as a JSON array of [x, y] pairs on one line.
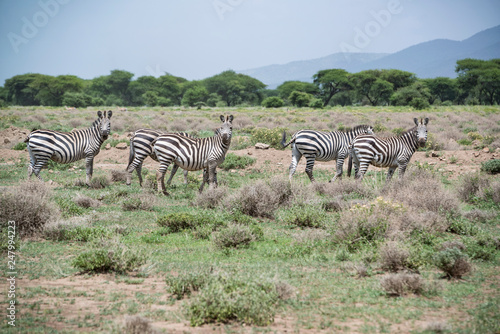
[[118, 175], [178, 221], [109, 256], [303, 216], [138, 325], [29, 206], [86, 202], [316, 103], [139, 202], [21, 146], [268, 136], [99, 182], [233, 236], [453, 262], [69, 207], [63, 232], [491, 166], [185, 284], [272, 102], [399, 284], [210, 199], [471, 186], [227, 298], [233, 161], [393, 257]]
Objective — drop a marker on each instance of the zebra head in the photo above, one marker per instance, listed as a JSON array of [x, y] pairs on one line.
[[226, 129], [104, 124], [421, 131]]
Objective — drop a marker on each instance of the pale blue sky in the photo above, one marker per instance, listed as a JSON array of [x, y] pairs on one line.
[[199, 38]]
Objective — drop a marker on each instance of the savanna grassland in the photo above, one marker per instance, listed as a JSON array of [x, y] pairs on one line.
[[258, 254]]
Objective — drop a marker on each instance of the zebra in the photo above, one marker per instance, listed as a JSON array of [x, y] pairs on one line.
[[193, 153], [67, 147], [141, 146], [389, 152], [322, 146]]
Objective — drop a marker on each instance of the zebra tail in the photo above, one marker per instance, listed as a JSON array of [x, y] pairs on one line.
[[132, 152], [349, 164], [283, 140]]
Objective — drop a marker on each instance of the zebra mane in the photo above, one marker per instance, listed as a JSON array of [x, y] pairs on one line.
[[407, 131]]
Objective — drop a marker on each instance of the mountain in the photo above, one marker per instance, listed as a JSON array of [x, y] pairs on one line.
[[436, 58]]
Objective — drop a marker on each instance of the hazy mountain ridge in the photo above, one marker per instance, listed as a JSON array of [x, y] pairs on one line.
[[430, 59]]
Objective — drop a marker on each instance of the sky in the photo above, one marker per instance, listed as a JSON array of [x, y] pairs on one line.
[[196, 39]]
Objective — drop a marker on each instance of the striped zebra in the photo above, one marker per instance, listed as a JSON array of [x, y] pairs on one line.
[[67, 147], [141, 146], [389, 152], [193, 153], [322, 146]]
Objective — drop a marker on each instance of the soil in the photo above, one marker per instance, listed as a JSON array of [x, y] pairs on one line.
[[454, 163]]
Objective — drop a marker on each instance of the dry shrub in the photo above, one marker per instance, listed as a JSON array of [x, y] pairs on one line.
[[438, 327], [233, 236], [86, 202], [393, 256], [421, 189], [284, 290], [480, 216], [310, 235], [473, 186], [212, 198], [402, 283], [118, 175], [29, 205], [99, 182], [452, 244], [144, 201], [262, 198], [138, 325], [453, 262], [56, 230], [361, 270]]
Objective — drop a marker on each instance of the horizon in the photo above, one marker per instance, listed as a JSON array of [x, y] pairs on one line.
[[57, 37]]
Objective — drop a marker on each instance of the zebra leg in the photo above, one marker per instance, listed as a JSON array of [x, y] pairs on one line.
[[361, 169], [37, 168], [401, 170], [185, 176], [160, 178], [172, 173], [340, 165], [205, 179], [89, 164], [139, 173], [212, 178], [296, 155], [390, 173], [309, 167]]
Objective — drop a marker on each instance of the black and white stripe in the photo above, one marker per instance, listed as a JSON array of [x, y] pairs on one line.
[[67, 147], [389, 152], [322, 146], [141, 147], [193, 153]]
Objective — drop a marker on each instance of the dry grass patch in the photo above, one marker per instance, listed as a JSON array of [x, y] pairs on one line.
[[393, 257], [401, 284], [29, 205], [86, 202]]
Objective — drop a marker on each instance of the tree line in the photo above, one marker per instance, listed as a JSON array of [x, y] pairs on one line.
[[477, 82]]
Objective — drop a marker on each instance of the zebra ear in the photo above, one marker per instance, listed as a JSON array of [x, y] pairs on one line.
[[231, 118], [99, 114], [110, 113], [426, 120], [222, 118], [416, 121]]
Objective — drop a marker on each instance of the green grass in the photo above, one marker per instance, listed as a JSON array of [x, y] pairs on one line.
[[170, 266]]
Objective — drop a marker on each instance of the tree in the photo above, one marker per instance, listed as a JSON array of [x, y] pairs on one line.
[[287, 87], [398, 78], [170, 88], [272, 102], [234, 88], [331, 82], [194, 95], [442, 88], [416, 95], [113, 87], [370, 86], [150, 98], [140, 86], [50, 90], [300, 99], [77, 100], [19, 91], [479, 79]]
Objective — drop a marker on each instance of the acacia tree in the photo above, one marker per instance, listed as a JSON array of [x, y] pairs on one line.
[[287, 87], [331, 82], [369, 85], [481, 78], [234, 88], [442, 88]]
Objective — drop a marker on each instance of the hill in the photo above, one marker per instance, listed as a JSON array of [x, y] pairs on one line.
[[430, 59]]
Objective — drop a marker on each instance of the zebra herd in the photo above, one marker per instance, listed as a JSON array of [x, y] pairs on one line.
[[359, 144]]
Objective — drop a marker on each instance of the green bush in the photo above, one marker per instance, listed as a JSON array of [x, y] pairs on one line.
[[234, 161], [272, 102], [453, 262], [109, 257], [271, 137], [491, 166], [78, 233], [227, 298], [316, 103], [304, 216], [179, 221], [21, 146], [233, 236], [68, 207], [185, 284]]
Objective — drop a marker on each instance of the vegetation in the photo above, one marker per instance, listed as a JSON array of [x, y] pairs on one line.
[[259, 253], [477, 83]]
